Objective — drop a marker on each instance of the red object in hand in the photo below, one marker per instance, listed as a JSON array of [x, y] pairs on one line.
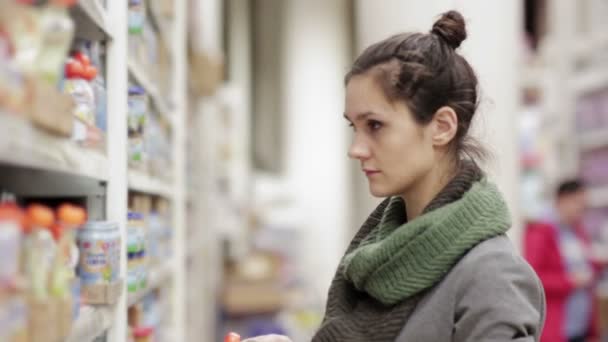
[[232, 337], [90, 72], [82, 58], [74, 68]]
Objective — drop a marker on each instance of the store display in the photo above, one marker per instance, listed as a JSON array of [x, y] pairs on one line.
[[137, 16], [138, 112], [135, 250], [148, 318], [37, 281], [60, 274]]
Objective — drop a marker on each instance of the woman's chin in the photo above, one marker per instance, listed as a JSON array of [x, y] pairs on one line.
[[379, 192]]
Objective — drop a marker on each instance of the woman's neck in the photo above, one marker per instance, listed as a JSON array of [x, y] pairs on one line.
[[418, 197]]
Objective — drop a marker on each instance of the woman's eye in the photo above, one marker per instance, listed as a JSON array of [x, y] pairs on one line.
[[374, 125]]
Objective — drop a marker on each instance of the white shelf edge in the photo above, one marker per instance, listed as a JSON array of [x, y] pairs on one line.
[[92, 322], [590, 44], [531, 76], [589, 80], [22, 144], [598, 197], [152, 90], [156, 277], [194, 245], [592, 140], [142, 182]]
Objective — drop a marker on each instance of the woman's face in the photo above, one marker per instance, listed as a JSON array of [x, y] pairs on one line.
[[395, 152]]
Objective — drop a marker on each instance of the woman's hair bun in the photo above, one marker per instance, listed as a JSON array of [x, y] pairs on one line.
[[451, 28]]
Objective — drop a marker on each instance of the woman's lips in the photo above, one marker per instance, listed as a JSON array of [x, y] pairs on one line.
[[369, 173]]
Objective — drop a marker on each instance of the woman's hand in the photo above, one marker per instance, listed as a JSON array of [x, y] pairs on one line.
[[268, 338]]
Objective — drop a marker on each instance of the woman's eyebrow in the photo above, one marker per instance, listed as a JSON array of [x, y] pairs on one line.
[[359, 116]]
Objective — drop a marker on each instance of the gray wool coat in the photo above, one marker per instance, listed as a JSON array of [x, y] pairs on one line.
[[491, 294]]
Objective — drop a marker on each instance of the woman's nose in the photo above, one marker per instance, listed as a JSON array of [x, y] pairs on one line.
[[358, 150]]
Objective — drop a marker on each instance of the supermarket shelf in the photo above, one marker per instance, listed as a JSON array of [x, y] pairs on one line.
[[161, 26], [157, 98], [142, 182], [22, 144], [194, 245], [92, 322], [592, 140], [91, 20], [590, 80], [156, 277], [589, 44], [531, 77], [598, 197]]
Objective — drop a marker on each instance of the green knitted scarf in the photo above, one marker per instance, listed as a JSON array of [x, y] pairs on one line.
[[399, 259]]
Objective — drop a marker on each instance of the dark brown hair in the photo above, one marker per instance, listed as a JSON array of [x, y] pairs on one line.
[[426, 72], [569, 187]]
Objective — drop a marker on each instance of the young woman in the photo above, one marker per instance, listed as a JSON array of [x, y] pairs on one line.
[[432, 262]]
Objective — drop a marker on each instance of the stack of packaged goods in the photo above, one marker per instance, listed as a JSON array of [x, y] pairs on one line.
[[149, 239], [147, 47], [149, 147], [40, 254], [47, 76], [148, 319]]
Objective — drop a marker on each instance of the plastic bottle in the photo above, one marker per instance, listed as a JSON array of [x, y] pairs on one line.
[[70, 218], [57, 32], [11, 223], [40, 249]]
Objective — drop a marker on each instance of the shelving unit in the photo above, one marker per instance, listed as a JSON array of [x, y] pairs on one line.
[[34, 156], [92, 20], [92, 322], [141, 182], [22, 144], [561, 76], [157, 98], [157, 276]]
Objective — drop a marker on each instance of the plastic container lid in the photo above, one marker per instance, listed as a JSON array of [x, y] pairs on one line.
[[99, 225], [142, 332], [39, 215], [72, 215], [136, 90], [65, 3], [10, 211]]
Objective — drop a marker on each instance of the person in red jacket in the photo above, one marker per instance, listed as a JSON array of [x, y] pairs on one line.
[[558, 250]]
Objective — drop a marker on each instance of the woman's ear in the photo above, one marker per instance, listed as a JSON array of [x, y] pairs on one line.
[[445, 126]]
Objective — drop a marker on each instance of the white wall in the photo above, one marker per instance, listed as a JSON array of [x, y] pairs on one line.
[[315, 57], [492, 47]]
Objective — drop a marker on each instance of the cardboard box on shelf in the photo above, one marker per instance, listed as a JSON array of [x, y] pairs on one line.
[[102, 293], [41, 315], [246, 298], [206, 73], [64, 318], [50, 109]]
